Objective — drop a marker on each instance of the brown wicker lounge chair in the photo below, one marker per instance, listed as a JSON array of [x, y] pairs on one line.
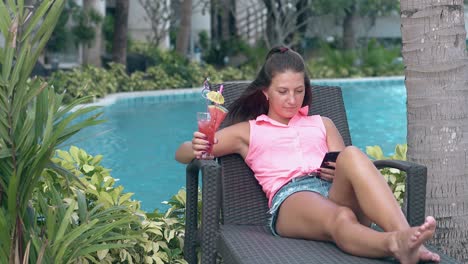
[[234, 212]]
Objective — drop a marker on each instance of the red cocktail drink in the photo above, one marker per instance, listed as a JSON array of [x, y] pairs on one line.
[[205, 126], [208, 123], [217, 113]]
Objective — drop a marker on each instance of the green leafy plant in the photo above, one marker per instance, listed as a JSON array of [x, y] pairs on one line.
[[171, 72], [33, 121], [150, 238], [373, 60], [394, 177], [89, 81], [83, 24]]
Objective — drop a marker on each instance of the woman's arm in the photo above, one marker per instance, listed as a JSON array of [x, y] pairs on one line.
[[334, 143], [334, 139], [185, 152], [232, 139]]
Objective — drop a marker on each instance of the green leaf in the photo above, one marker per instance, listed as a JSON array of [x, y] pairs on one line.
[[10, 47], [36, 87], [169, 235], [12, 5], [65, 221], [74, 152], [375, 152], [24, 136], [102, 253], [15, 75], [38, 14], [392, 179], [64, 155], [125, 198], [5, 153], [71, 237], [12, 195], [88, 168], [82, 206], [400, 152], [96, 160], [51, 218], [6, 20], [106, 197]]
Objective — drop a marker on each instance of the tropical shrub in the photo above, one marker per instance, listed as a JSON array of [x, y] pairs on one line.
[[151, 238], [372, 60], [88, 81], [394, 177], [48, 213], [98, 82], [33, 122]]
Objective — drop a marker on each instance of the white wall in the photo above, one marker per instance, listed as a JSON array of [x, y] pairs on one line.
[[384, 27], [200, 21], [139, 28]]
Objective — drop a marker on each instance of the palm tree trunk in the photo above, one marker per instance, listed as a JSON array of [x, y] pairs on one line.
[[92, 51], [119, 45], [433, 38], [349, 32], [183, 35]]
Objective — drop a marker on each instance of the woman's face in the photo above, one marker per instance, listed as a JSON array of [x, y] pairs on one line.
[[285, 95]]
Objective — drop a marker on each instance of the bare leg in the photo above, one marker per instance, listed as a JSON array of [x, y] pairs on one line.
[[322, 219], [364, 190]]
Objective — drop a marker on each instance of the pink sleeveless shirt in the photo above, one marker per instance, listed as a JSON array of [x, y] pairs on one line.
[[278, 152]]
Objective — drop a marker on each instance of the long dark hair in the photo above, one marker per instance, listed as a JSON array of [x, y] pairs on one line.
[[252, 102]]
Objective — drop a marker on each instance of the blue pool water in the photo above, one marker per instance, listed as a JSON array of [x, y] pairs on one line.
[[141, 134]]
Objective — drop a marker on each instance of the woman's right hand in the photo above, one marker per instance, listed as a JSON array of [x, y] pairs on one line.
[[200, 146]]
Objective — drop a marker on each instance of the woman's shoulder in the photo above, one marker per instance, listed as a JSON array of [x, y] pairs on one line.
[[327, 122], [321, 119]]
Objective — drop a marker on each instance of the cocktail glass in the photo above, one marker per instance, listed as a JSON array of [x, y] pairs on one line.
[[209, 122]]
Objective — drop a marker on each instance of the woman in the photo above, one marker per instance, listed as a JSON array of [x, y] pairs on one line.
[[284, 147]]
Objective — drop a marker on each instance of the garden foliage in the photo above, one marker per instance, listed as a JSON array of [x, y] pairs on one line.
[[370, 61], [169, 70], [60, 207], [395, 178], [95, 198]]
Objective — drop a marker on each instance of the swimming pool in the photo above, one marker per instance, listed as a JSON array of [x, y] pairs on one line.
[[143, 130]]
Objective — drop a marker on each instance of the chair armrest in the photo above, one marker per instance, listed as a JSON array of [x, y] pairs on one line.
[[211, 197], [416, 178]]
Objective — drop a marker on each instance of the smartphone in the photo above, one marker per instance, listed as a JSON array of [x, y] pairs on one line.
[[329, 156]]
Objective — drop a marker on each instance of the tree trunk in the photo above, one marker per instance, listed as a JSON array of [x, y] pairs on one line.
[[349, 38], [185, 28], [273, 20], [301, 23], [433, 39], [215, 24], [119, 45], [92, 51], [228, 24]]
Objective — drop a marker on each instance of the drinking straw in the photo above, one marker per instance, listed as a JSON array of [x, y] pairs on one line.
[[221, 89]]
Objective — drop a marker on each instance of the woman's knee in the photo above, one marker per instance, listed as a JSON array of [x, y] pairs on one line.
[[343, 218], [350, 153], [343, 215], [351, 157]]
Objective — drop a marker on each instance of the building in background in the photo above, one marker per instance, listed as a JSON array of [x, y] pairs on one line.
[[250, 23]]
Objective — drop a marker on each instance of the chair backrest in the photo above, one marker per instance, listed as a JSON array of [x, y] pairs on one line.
[[243, 201]]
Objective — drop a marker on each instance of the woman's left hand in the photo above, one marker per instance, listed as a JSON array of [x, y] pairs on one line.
[[328, 174]]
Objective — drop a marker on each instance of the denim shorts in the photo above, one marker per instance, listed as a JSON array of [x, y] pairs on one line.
[[308, 183]]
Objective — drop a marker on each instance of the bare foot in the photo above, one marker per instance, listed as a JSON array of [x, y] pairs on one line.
[[407, 245], [426, 255]]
